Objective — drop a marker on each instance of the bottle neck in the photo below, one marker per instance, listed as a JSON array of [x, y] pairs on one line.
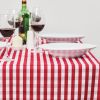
[[24, 5], [24, 1]]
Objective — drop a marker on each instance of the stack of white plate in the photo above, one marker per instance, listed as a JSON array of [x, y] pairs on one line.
[[64, 45]]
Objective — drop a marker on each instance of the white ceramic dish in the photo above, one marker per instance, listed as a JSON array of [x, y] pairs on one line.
[[67, 49], [61, 37]]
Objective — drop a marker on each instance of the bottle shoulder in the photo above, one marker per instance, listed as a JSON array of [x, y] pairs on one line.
[[23, 12]]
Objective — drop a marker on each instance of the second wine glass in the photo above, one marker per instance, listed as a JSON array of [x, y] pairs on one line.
[[37, 24]]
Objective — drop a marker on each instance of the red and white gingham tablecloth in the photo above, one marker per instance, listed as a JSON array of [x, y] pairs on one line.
[[39, 76]]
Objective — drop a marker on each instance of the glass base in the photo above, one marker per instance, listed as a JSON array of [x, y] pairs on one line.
[[38, 50], [7, 59]]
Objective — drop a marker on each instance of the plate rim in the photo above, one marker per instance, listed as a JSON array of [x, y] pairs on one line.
[[76, 36], [76, 49]]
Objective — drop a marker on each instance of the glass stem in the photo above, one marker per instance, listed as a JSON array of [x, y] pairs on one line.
[[7, 48], [37, 41]]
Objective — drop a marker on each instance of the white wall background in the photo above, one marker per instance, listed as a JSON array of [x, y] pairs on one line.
[[78, 16]]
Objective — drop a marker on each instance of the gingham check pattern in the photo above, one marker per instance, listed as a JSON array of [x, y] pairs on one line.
[[67, 53], [70, 40], [39, 76]]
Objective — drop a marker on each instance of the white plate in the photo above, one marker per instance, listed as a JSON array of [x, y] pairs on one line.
[[2, 44], [61, 37], [67, 49]]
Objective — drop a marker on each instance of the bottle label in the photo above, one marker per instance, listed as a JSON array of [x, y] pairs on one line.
[[26, 23]]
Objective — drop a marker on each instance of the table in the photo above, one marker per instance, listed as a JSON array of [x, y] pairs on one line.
[[39, 76]]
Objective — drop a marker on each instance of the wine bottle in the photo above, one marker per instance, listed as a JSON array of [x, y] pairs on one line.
[[25, 16]]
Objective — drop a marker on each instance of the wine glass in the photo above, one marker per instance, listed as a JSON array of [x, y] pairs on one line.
[[37, 24], [6, 31]]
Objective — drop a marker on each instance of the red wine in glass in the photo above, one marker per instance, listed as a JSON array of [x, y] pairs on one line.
[[7, 32], [17, 23], [37, 27]]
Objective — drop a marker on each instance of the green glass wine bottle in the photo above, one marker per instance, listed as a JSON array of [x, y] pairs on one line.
[[25, 16]]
